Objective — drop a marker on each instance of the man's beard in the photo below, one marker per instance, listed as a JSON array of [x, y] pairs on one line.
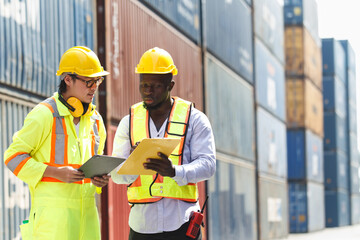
[[147, 107]]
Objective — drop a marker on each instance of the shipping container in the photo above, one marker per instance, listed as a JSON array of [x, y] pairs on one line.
[[32, 42], [351, 87], [271, 139], [273, 208], [15, 195], [304, 105], [335, 170], [353, 176], [232, 201], [230, 108], [333, 58], [304, 13], [184, 15], [337, 209], [129, 36], [349, 56], [269, 25], [229, 33], [355, 208], [353, 149], [306, 207], [269, 81], [334, 95], [305, 156], [335, 135], [302, 55]]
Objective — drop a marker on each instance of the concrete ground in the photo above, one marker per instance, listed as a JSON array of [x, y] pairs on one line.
[[340, 233]]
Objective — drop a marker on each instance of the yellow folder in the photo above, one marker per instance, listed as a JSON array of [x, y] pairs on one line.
[[147, 148]]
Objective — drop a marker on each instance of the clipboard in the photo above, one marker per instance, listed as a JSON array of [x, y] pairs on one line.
[[99, 165], [147, 148]]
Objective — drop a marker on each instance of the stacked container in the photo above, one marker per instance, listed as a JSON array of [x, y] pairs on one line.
[[229, 91], [270, 112], [304, 116], [33, 36], [336, 161], [351, 132]]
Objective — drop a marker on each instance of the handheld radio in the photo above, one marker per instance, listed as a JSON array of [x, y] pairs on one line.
[[195, 222]]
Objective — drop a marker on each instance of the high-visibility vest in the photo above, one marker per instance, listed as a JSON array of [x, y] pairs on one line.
[[51, 140], [147, 188]]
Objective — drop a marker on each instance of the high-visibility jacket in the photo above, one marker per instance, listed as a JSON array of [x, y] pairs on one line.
[[147, 188], [48, 138]]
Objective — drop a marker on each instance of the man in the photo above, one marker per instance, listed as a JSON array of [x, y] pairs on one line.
[[163, 203], [58, 136]]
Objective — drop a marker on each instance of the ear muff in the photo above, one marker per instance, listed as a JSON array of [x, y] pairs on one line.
[[76, 107]]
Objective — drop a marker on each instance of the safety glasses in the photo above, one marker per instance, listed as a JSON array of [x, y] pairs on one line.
[[89, 83]]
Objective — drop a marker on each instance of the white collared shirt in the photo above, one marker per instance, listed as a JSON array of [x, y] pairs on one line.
[[199, 164]]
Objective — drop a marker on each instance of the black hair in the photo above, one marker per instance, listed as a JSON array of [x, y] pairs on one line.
[[62, 87]]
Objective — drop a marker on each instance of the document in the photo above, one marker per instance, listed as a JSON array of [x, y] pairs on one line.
[[99, 165], [147, 148]]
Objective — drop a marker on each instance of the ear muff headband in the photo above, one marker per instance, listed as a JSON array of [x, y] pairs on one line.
[[76, 107]]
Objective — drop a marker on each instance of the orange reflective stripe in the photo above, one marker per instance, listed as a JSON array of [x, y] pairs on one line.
[[53, 141], [50, 179], [148, 200], [19, 167], [66, 142], [92, 143], [137, 182], [13, 156], [159, 179], [62, 165]]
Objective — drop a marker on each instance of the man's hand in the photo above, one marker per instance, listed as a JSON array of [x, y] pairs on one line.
[[162, 166], [65, 174], [100, 181]]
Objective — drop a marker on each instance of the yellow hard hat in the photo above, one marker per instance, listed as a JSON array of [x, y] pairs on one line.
[[81, 61], [156, 61]]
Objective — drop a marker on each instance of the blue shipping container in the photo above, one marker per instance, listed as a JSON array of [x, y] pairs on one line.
[[271, 139], [337, 209], [351, 87], [334, 94], [305, 156], [270, 81], [269, 26], [228, 35], [355, 209], [32, 42], [349, 55], [14, 193], [230, 108], [354, 178], [333, 58], [233, 187], [353, 149], [335, 170], [183, 14], [303, 12], [306, 207], [335, 135]]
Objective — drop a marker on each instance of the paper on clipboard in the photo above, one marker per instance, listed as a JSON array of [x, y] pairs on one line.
[[147, 148]]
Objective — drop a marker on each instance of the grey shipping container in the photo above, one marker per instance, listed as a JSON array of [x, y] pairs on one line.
[[306, 207], [269, 25], [349, 55], [269, 81], [335, 170], [33, 42], [355, 208], [333, 58], [353, 148], [230, 108], [183, 14], [353, 176], [15, 196], [302, 12], [351, 87], [334, 94], [271, 139], [228, 34], [273, 208], [232, 202], [337, 209]]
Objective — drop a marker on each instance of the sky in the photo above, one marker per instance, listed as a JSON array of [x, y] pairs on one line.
[[340, 19]]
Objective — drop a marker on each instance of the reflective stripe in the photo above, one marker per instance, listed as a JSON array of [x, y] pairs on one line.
[[96, 138], [17, 161]]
